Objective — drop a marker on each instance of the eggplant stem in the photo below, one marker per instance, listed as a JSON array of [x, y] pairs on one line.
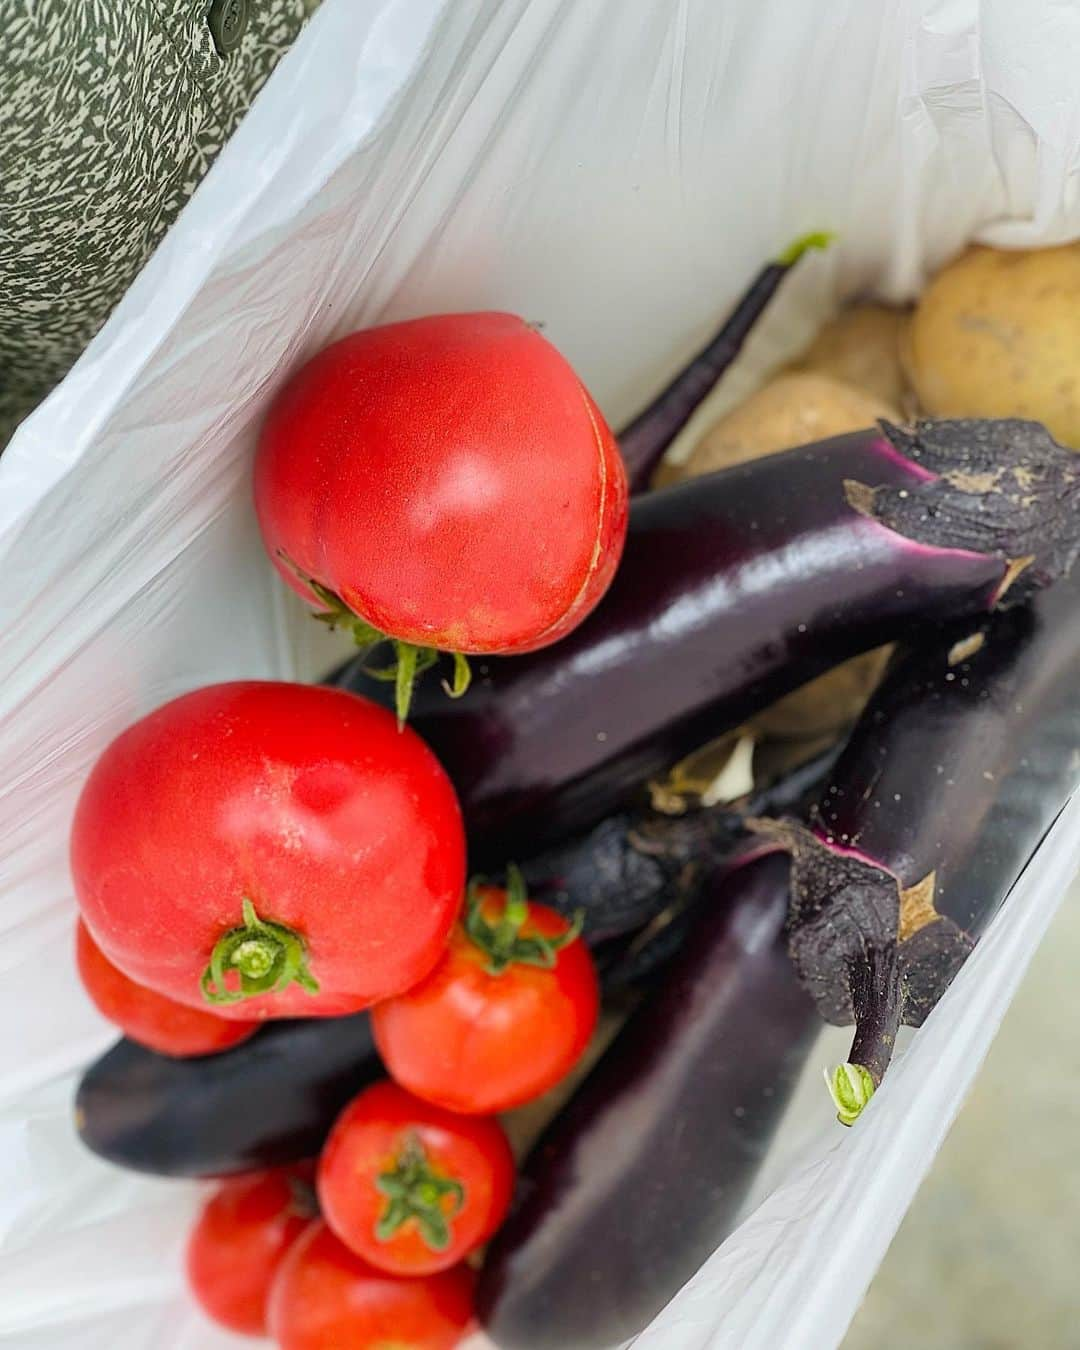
[[804, 244], [877, 997], [647, 438], [850, 1086]]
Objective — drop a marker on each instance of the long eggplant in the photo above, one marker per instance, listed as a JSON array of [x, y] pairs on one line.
[[265, 1103], [958, 766], [735, 589], [644, 441], [643, 1174]]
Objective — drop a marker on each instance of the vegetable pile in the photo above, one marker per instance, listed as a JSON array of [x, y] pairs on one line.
[[480, 995]]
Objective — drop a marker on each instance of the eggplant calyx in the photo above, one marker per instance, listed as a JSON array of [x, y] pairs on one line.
[[410, 660], [266, 956], [415, 1190], [1002, 487], [868, 951], [502, 940], [851, 1086]]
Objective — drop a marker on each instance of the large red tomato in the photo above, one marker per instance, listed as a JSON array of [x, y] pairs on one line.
[[448, 480], [240, 1239], [269, 850], [412, 1188], [506, 1013], [325, 1297], [153, 1020]]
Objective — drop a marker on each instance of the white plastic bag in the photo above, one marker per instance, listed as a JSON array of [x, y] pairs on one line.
[[617, 169]]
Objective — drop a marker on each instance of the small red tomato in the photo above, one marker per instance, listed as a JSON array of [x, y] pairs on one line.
[[505, 1014], [269, 850], [410, 1187], [153, 1020], [448, 481], [239, 1241], [325, 1297]]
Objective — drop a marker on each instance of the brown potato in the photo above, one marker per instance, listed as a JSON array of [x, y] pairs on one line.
[[997, 334], [861, 346], [791, 409]]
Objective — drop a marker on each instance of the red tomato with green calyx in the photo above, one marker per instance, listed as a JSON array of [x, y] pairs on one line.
[[446, 482], [157, 1022], [504, 1016], [269, 850], [410, 1187], [239, 1241], [325, 1297]]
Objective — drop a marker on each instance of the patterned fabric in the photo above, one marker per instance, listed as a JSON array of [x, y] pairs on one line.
[[112, 112]]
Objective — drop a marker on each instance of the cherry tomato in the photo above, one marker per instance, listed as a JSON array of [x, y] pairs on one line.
[[448, 481], [410, 1187], [157, 1022], [325, 1297], [240, 1239], [269, 850], [505, 1014]]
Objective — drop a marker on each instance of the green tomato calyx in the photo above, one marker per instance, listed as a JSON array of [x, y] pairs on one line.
[[415, 1190], [502, 940], [266, 956]]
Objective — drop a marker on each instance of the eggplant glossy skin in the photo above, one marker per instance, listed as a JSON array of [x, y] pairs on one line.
[[644, 442], [265, 1103], [643, 1174], [958, 767], [733, 590]]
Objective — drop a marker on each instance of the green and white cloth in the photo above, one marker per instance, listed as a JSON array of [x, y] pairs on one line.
[[112, 112]]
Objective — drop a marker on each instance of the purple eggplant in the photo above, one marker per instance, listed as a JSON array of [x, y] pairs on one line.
[[958, 766], [644, 442], [638, 865], [265, 1103], [643, 1173], [736, 588]]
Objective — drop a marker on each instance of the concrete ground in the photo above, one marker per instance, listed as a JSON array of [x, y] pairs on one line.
[[987, 1258]]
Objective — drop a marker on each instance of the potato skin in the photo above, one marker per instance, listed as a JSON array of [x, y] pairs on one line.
[[997, 334], [792, 409], [861, 347]]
